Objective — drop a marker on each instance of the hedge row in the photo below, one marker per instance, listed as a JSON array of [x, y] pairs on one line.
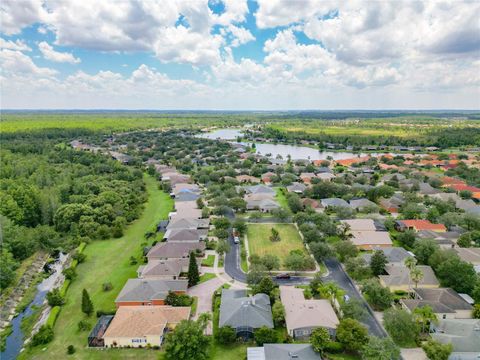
[[52, 318]]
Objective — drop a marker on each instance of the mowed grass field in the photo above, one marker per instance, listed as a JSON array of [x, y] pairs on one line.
[[106, 261], [259, 240]]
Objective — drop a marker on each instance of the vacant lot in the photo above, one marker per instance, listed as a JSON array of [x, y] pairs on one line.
[[259, 240]]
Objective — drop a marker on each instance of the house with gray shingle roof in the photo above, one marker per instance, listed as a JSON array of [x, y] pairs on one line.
[[174, 250], [296, 187], [334, 202], [283, 352], [395, 256], [148, 291], [260, 189], [183, 235], [245, 313], [463, 334]]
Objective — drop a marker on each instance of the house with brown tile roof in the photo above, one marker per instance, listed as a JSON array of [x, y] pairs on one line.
[[302, 316], [138, 326]]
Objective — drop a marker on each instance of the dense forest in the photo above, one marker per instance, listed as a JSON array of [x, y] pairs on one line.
[[53, 197]]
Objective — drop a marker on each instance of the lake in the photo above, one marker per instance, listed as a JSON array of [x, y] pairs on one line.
[[223, 134]]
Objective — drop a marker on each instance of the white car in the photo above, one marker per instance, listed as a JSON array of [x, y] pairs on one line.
[[236, 240]]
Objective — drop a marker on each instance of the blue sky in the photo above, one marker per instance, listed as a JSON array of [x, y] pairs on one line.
[[238, 54]]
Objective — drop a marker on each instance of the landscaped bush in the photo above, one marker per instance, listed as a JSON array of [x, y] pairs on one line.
[[105, 312], [107, 286], [83, 325], [64, 288], [226, 335], [174, 299], [334, 347], [71, 349], [52, 318], [43, 336]]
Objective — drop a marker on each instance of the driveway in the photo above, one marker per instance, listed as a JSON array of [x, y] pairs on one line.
[[338, 275], [204, 293]]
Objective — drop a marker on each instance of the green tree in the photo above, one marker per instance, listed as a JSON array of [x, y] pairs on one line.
[[54, 298], [345, 249], [7, 268], [43, 336], [226, 335], [265, 286], [378, 296], [424, 248], [87, 304], [193, 275], [222, 247], [457, 274], [380, 349], [319, 339], [264, 335], [278, 314], [378, 262], [352, 334], [275, 236], [476, 311], [424, 315], [406, 238], [416, 275], [353, 309], [197, 346], [271, 262], [401, 326], [436, 350], [298, 261]]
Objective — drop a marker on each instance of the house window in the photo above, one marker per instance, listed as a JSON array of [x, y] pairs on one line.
[[444, 316]]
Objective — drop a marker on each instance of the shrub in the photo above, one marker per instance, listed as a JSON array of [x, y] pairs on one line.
[[71, 349], [174, 299], [105, 312], [83, 325], [107, 286], [54, 298], [70, 273], [265, 335], [52, 318], [43, 336], [226, 335], [133, 260], [334, 347]]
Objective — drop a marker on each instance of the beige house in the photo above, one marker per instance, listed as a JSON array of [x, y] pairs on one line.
[[398, 278], [303, 316], [138, 326], [445, 302], [365, 235]]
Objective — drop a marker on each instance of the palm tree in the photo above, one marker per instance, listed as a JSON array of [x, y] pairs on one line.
[[425, 315], [416, 275], [410, 262], [331, 290], [344, 232]]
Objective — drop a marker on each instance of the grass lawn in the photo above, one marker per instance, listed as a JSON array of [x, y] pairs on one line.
[[259, 240], [209, 261], [106, 261], [281, 198], [206, 277]]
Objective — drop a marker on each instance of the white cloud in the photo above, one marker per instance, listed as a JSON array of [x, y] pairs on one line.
[[237, 35], [50, 54], [17, 14], [18, 45], [16, 63]]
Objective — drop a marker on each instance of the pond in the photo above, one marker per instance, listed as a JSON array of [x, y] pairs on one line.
[[14, 342], [223, 134]]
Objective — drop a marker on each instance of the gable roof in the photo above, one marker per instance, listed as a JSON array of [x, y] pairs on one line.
[[371, 238], [471, 255], [259, 189], [169, 267], [463, 334], [140, 321], [183, 235], [167, 249], [361, 203], [282, 352], [441, 300], [393, 254], [300, 312], [334, 202], [422, 225], [239, 310], [149, 289], [400, 276], [360, 224]]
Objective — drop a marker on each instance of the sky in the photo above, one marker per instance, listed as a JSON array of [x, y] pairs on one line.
[[239, 54]]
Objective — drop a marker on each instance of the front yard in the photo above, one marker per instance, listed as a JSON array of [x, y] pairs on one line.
[[259, 240]]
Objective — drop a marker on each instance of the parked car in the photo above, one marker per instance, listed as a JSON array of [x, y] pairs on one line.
[[282, 276], [236, 240]]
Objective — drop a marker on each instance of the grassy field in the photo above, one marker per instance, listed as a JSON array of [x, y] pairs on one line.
[[259, 240], [281, 198], [107, 261], [209, 261]]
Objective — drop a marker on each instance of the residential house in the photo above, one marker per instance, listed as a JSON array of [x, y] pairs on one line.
[[247, 179], [244, 313], [463, 334], [267, 177], [333, 202], [188, 223], [260, 189], [326, 176], [393, 204], [362, 204], [186, 195], [164, 269], [262, 202], [297, 188], [302, 316], [283, 352], [395, 255], [185, 235], [419, 225], [141, 292], [139, 326], [446, 240], [398, 278], [307, 177], [174, 250], [427, 189], [470, 255], [314, 204], [445, 302], [365, 234]]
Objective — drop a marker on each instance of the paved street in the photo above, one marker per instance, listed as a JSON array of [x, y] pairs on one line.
[[338, 275]]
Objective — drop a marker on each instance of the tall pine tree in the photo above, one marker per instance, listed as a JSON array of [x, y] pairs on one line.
[[87, 305], [193, 275]]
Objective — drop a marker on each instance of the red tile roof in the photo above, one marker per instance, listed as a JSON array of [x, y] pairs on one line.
[[423, 225]]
